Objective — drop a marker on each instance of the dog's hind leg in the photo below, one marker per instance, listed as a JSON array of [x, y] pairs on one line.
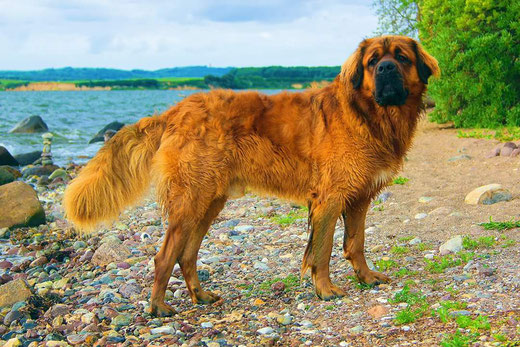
[[354, 243], [322, 221], [173, 244], [188, 258]]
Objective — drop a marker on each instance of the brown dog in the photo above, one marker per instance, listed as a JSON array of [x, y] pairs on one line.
[[334, 149]]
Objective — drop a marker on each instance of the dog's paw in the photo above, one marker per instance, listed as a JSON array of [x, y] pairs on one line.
[[373, 277], [162, 310], [330, 292], [206, 297]]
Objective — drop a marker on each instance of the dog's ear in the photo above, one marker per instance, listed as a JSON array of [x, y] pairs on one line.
[[426, 64], [352, 71]]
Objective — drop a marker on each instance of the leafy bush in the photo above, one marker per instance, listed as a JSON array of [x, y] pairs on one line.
[[477, 44]]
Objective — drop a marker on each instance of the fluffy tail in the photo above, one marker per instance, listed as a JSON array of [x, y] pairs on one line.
[[116, 177]]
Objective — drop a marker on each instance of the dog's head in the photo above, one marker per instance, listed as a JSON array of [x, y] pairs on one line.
[[389, 69]]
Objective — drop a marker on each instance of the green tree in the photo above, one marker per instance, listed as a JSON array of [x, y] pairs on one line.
[[477, 44], [397, 17]]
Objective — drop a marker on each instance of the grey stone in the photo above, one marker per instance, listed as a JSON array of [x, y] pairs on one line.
[[100, 136], [265, 331], [32, 124], [453, 245], [6, 158], [167, 330], [110, 253]]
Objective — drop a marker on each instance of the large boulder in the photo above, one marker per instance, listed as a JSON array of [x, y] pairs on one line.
[[487, 195], [6, 158], [28, 158], [13, 292], [32, 124], [20, 206], [5, 175], [100, 136]]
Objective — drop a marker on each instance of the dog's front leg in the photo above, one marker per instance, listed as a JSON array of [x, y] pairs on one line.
[[322, 221], [354, 243]]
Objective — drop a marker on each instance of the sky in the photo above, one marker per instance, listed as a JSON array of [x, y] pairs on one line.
[[154, 34]]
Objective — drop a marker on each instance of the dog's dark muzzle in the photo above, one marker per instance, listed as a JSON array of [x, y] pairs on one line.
[[390, 89]]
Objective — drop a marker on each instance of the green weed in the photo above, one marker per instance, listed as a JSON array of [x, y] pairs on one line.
[[492, 225], [458, 339], [384, 265], [479, 323], [287, 219], [481, 242], [291, 281], [442, 263], [399, 250], [504, 134], [400, 180], [403, 272]]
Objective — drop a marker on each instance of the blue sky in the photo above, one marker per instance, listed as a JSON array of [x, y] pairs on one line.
[[153, 34]]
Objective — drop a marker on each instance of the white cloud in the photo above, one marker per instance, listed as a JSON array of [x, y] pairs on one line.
[[155, 34]]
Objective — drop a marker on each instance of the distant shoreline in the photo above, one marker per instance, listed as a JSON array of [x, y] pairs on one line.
[[68, 86]]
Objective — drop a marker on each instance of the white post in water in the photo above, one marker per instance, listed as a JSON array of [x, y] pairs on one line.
[[46, 153]]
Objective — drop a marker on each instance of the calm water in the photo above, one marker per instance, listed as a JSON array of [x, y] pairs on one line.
[[74, 117]]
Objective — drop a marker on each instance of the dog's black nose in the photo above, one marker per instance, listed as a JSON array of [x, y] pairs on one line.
[[386, 67]]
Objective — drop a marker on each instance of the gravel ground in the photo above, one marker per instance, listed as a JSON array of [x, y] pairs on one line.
[[94, 291]]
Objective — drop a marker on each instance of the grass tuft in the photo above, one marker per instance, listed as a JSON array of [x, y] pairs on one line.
[[492, 225]]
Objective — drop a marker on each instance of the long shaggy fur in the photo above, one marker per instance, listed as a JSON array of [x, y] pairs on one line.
[[116, 177], [333, 148]]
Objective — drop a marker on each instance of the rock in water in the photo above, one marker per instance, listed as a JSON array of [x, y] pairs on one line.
[[39, 170], [32, 124], [20, 206], [5, 176], [16, 174], [13, 292], [100, 136], [6, 158], [110, 253], [453, 245], [28, 158], [488, 195]]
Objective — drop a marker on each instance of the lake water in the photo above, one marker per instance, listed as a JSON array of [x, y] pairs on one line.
[[74, 117]]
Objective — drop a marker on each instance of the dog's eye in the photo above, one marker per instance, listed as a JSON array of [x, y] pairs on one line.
[[402, 58], [372, 61]]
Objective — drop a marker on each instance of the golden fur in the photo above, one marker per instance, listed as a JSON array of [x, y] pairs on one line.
[[333, 148]]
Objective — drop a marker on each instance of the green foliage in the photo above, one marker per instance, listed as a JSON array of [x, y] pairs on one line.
[[384, 265], [408, 296], [288, 219], [479, 323], [398, 17], [403, 272], [504, 134], [439, 264], [359, 285], [476, 43], [275, 77], [483, 241], [291, 281], [400, 180], [443, 312], [457, 339], [417, 305], [399, 250], [491, 225]]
